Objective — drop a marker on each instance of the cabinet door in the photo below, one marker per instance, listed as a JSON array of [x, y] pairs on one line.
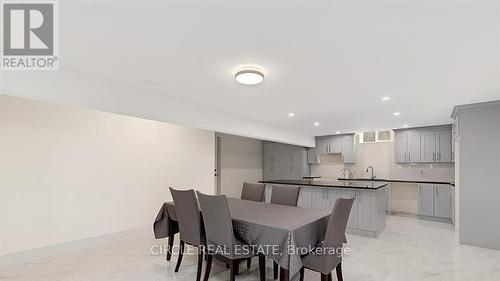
[[353, 217], [428, 146], [298, 155], [443, 201], [322, 145], [284, 153], [367, 210], [414, 146], [318, 196], [305, 197], [331, 197], [335, 144], [312, 156], [426, 199], [267, 171], [267, 148], [443, 146], [401, 147], [281, 171], [348, 152]]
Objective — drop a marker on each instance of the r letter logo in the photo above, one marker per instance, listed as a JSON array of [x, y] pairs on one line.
[[30, 36]]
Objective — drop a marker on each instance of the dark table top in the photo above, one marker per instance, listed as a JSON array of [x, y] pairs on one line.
[[324, 183]]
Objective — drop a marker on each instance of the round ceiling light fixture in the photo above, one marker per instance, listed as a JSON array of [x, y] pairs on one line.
[[249, 76]]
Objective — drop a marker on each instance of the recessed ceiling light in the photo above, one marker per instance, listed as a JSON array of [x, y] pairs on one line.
[[291, 114], [386, 98], [397, 113], [337, 132], [316, 124], [249, 76], [405, 126]]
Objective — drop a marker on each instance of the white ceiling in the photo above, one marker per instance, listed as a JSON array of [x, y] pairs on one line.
[[329, 62]]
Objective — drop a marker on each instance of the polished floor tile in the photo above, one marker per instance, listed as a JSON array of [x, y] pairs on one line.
[[408, 249]]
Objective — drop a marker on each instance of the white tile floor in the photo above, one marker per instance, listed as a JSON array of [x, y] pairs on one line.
[[408, 249]]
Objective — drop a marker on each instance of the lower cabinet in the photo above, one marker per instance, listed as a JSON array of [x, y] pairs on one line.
[[436, 201], [368, 210]]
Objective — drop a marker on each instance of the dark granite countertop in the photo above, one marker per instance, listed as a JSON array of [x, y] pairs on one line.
[[398, 180], [324, 183]]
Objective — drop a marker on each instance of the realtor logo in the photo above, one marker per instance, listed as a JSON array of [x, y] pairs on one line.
[[30, 36]]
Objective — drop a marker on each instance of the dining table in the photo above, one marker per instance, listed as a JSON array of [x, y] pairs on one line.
[[283, 233]]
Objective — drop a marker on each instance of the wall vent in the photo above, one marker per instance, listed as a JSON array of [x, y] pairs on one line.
[[369, 136], [383, 135]]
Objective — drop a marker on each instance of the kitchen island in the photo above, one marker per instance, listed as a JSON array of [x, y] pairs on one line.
[[367, 216]]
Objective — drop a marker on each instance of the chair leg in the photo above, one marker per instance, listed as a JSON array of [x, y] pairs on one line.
[[179, 258], [262, 267], [207, 269], [170, 244], [339, 272], [232, 269], [284, 274], [330, 276], [324, 277], [249, 263], [228, 265], [275, 270], [302, 274], [237, 267], [200, 263]]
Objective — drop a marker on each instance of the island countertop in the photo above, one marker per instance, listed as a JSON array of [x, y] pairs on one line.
[[325, 183]]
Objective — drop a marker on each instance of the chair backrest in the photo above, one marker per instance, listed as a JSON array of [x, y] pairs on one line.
[[285, 195], [335, 231], [188, 216], [217, 219], [253, 191]]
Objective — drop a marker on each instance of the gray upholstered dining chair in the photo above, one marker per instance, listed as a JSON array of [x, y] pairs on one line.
[[325, 261], [253, 191], [283, 195], [221, 242], [190, 225]]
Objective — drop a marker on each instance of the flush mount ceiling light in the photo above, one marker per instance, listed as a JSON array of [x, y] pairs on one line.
[[291, 114], [249, 76], [405, 126], [386, 98]]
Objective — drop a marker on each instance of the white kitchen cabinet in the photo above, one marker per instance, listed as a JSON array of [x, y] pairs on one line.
[[267, 171], [318, 196], [426, 199], [353, 217], [267, 150], [443, 201], [305, 197], [312, 155], [366, 216], [332, 195], [283, 161], [413, 146], [436, 201], [268, 193]]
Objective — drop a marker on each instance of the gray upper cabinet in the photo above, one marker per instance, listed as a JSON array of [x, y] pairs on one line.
[[401, 147], [413, 146], [348, 149], [423, 145], [322, 145], [426, 199], [407, 148], [428, 146], [443, 146], [312, 155]]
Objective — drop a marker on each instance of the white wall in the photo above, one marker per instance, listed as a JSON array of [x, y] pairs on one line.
[[241, 160], [68, 174]]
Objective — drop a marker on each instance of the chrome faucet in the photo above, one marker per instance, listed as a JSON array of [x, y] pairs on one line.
[[372, 176]]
